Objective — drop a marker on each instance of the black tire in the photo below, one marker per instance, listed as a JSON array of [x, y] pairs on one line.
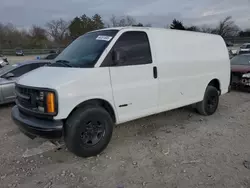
[[83, 128], [210, 102]]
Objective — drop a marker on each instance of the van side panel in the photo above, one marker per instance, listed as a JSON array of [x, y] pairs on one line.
[[187, 62]]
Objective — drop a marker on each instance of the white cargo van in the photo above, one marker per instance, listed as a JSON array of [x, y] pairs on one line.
[[115, 75]]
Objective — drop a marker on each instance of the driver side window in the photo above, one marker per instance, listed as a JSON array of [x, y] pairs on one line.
[[135, 47]]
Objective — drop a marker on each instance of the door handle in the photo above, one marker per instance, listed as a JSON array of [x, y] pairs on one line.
[[155, 72]]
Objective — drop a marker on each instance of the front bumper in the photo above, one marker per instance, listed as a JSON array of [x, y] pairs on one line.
[[241, 84], [34, 127], [239, 80]]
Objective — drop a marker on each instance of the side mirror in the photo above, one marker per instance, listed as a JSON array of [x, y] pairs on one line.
[[9, 75], [119, 57]]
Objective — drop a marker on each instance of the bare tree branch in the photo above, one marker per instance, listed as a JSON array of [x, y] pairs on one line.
[[227, 27], [122, 21], [57, 29]]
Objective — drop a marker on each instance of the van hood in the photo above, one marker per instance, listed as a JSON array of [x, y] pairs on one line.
[[54, 77]]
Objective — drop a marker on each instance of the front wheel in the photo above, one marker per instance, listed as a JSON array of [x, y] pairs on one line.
[[210, 102], [88, 131]]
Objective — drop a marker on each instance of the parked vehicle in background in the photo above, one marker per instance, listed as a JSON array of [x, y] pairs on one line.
[[240, 71], [58, 51], [52, 51], [19, 52], [116, 75], [3, 61], [49, 56], [9, 75], [244, 49], [231, 55], [229, 44]]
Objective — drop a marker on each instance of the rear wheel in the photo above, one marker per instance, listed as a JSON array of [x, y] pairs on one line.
[[88, 131], [210, 102]]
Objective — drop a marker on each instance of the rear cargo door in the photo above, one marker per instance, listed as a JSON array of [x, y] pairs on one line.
[[134, 81]]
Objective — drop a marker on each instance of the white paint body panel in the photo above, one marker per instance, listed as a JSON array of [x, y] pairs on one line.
[[136, 87], [186, 63], [73, 85]]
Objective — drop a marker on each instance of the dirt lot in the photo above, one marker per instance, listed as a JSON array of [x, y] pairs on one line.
[[173, 149]]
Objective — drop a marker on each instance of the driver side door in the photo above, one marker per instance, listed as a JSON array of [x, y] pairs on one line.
[[134, 82]]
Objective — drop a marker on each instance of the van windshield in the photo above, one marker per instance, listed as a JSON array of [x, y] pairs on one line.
[[85, 50]]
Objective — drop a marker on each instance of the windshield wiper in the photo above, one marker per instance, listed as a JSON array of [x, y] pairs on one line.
[[63, 62]]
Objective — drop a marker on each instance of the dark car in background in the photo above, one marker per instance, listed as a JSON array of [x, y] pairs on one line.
[[50, 56], [240, 71], [19, 52], [10, 73]]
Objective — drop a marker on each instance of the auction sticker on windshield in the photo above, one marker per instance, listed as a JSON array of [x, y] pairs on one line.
[[103, 37]]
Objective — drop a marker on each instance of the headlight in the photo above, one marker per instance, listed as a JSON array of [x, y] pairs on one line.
[[40, 101], [247, 75], [46, 102]]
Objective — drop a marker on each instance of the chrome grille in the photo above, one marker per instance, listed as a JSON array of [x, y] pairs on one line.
[[26, 97]]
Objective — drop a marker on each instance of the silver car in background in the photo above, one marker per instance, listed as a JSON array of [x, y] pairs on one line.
[[10, 73], [3, 61]]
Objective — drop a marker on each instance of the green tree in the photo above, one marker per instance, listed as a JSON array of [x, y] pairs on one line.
[[176, 24], [75, 28], [84, 24], [193, 28], [97, 22]]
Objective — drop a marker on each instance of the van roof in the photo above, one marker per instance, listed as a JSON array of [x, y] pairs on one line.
[[154, 28]]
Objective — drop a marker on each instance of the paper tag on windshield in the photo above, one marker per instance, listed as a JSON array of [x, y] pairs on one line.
[[103, 37]]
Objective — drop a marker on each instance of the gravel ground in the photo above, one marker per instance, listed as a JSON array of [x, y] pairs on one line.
[[178, 148]]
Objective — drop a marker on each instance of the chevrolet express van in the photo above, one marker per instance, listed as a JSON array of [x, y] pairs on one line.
[[115, 75]]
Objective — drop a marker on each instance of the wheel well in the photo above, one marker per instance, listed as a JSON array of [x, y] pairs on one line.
[[98, 102], [215, 83]]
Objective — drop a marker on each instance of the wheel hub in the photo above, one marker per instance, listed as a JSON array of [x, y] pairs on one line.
[[92, 133], [212, 102]]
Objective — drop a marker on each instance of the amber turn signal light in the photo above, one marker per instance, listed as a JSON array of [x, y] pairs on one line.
[[50, 102]]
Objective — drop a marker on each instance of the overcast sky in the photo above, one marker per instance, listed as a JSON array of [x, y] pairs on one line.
[[24, 13]]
